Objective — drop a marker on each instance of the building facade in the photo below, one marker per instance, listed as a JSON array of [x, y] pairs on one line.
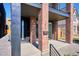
[[75, 22], [40, 14], [62, 28]]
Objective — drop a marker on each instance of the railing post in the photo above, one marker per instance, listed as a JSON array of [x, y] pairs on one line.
[[54, 51], [50, 50]]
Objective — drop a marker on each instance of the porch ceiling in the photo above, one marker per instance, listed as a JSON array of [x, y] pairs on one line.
[[30, 10], [27, 10], [55, 17]]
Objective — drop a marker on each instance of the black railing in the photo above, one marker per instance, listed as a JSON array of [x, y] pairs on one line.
[[53, 51]]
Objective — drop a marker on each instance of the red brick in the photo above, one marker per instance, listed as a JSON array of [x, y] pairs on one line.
[[43, 27], [32, 30], [69, 24]]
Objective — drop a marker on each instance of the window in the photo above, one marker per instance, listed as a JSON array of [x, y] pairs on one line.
[[74, 28], [74, 18]]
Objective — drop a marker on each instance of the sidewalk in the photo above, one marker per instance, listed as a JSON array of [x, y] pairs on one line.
[[27, 49], [66, 49], [5, 46]]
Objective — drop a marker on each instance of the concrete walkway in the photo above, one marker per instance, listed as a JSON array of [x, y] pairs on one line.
[[58, 44], [27, 49], [70, 50], [66, 49], [5, 46]]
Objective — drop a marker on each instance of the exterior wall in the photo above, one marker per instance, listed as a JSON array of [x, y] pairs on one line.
[[75, 23]]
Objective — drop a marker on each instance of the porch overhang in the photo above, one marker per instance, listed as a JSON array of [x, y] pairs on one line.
[[55, 14], [32, 9], [28, 10]]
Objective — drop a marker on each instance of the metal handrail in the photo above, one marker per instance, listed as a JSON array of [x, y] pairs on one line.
[[54, 52]]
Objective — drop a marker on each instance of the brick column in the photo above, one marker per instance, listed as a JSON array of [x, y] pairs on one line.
[[55, 5], [43, 27], [15, 29], [32, 30], [69, 24], [55, 29]]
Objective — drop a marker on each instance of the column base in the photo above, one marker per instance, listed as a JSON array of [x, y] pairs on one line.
[[45, 53], [69, 42]]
